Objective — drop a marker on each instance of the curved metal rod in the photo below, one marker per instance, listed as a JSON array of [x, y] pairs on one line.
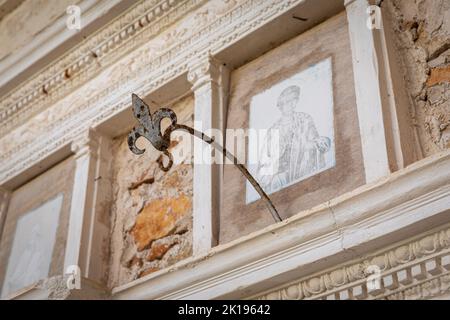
[[150, 128], [230, 156]]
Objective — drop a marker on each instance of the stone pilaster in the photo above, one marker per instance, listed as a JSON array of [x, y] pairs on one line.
[[209, 80], [88, 224], [367, 90]]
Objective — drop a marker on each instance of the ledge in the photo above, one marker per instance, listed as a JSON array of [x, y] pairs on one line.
[[394, 208]]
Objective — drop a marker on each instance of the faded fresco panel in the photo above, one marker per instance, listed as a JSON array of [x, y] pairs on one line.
[[34, 234], [299, 142], [32, 246]]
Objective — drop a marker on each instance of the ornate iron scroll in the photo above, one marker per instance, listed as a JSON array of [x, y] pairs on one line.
[[150, 128]]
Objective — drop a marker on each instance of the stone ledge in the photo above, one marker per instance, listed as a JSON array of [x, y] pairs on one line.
[[371, 217]]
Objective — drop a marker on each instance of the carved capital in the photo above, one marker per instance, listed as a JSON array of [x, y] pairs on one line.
[[4, 197], [204, 71], [86, 143]]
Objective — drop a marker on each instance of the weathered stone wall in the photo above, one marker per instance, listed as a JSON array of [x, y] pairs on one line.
[[422, 34], [152, 209]]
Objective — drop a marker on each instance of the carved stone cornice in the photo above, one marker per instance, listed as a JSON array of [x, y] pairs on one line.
[[139, 24], [415, 270], [149, 73]]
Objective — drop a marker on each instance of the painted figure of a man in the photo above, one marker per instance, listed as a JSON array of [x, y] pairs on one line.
[[301, 149]]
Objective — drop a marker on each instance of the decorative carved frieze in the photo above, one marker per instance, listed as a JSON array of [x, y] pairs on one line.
[[415, 270], [140, 72], [141, 23]]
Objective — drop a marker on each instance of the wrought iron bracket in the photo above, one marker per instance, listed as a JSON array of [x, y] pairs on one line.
[[150, 128]]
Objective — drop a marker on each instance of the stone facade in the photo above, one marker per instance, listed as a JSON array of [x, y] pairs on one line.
[[136, 231]]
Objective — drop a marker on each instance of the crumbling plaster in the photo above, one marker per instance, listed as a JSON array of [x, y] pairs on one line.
[[421, 31]]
